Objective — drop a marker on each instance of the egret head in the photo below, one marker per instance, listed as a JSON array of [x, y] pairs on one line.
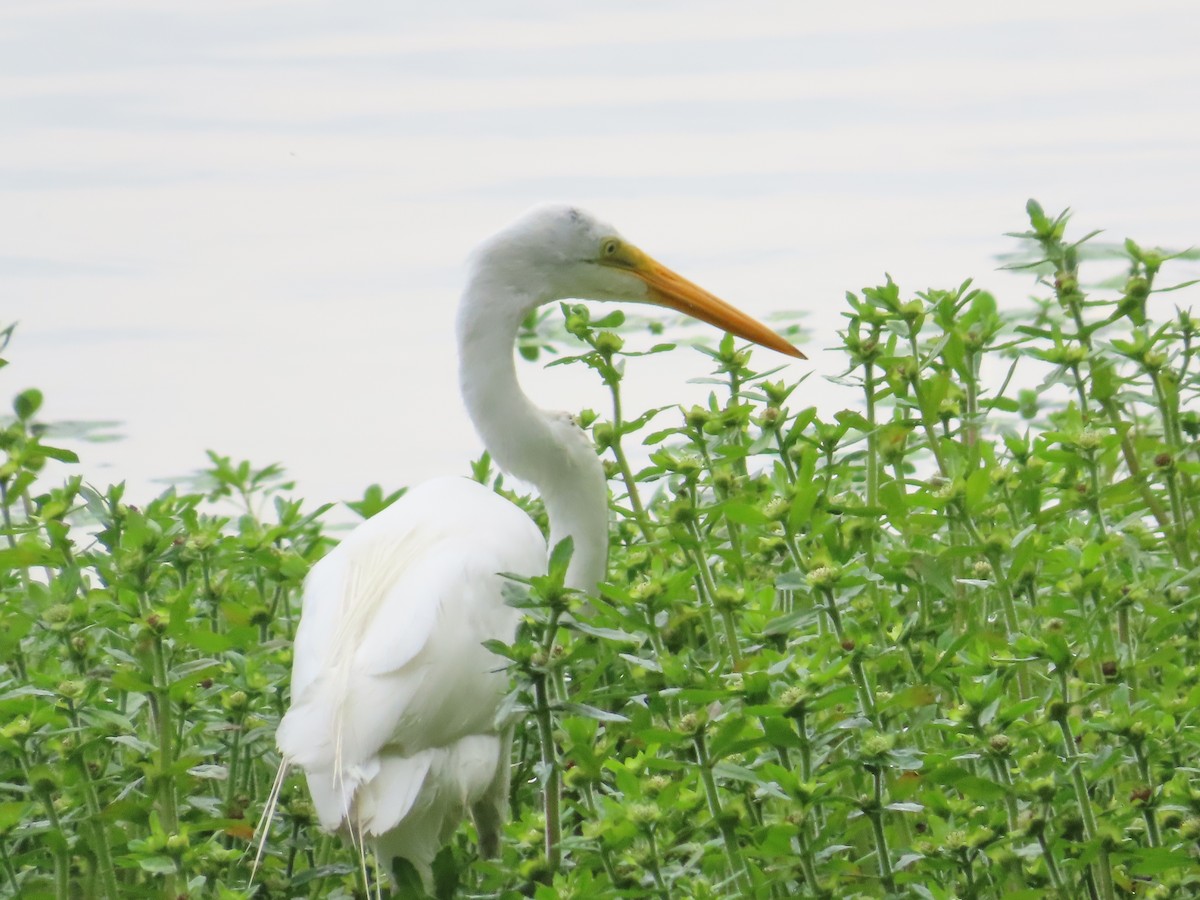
[[558, 252]]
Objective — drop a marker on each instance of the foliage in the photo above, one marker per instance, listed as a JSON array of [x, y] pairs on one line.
[[946, 644]]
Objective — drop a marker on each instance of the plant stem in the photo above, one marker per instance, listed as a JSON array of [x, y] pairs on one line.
[[1051, 865], [866, 697], [166, 757], [872, 435], [104, 859], [58, 838], [553, 787], [1143, 763], [710, 596], [655, 869], [9, 871], [1084, 802], [728, 835], [635, 501], [549, 756], [806, 859], [881, 845]]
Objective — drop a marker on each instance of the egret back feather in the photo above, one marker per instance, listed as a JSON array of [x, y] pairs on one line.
[[394, 696]]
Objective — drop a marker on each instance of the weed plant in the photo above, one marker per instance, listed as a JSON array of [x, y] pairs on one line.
[[942, 645]]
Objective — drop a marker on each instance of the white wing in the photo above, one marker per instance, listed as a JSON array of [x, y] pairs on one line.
[[393, 697]]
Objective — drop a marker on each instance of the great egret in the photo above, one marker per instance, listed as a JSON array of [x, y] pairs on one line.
[[394, 697]]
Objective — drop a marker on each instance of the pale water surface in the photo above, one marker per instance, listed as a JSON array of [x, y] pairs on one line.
[[241, 225]]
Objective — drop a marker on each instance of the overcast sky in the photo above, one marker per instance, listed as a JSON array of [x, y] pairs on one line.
[[241, 225]]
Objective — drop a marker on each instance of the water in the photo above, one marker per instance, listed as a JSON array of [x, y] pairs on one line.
[[241, 225]]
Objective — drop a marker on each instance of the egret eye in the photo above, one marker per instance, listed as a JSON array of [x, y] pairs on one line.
[[609, 248]]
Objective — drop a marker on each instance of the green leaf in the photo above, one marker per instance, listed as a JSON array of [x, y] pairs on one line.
[[976, 488], [59, 453], [1149, 861], [980, 789], [590, 712], [157, 865], [743, 513], [560, 559], [27, 403]]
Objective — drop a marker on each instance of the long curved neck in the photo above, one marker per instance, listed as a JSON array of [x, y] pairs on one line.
[[523, 439]]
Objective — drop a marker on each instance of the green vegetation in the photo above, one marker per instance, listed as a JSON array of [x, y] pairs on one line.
[[943, 645]]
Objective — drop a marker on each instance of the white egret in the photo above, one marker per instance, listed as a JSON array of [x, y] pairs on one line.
[[394, 698]]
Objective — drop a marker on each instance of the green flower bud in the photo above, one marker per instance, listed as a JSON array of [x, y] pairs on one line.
[[656, 784], [1137, 288], [697, 417], [777, 509], [1066, 283], [823, 577], [57, 617], [1154, 360], [769, 417], [876, 746], [1043, 788], [776, 392], [71, 690], [609, 342], [644, 814], [794, 699], [681, 512], [913, 312], [1072, 355], [17, 730], [727, 597], [949, 409], [604, 435]]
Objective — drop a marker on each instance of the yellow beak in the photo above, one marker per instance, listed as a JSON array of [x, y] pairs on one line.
[[675, 292]]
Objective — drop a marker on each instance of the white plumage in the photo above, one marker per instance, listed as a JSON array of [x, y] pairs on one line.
[[394, 699]]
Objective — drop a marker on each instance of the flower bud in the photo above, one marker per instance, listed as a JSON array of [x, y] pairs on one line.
[[604, 435], [1065, 283], [71, 690], [823, 577], [1137, 287], [697, 417], [1154, 360], [17, 730], [727, 597], [769, 417], [57, 617], [644, 814], [608, 343], [1044, 789]]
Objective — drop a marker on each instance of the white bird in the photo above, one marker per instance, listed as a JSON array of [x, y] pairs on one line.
[[394, 699]]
